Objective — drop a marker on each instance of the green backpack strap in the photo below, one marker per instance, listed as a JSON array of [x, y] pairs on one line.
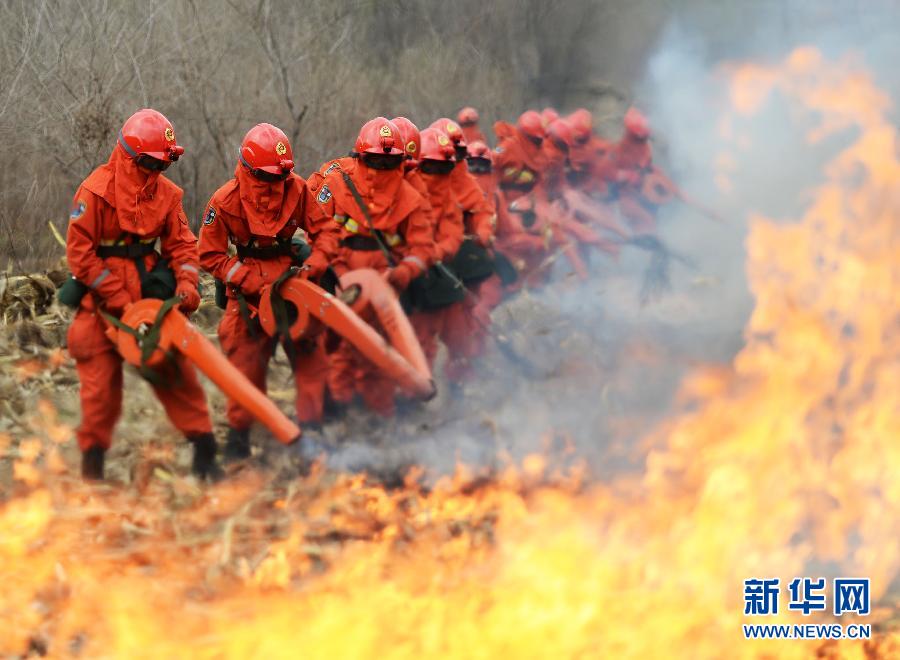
[[280, 312], [377, 234], [245, 313], [149, 341]]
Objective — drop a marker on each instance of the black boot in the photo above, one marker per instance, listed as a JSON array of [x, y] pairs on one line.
[[237, 445], [92, 464], [204, 465]]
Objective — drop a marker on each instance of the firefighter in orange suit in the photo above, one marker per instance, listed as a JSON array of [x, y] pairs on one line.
[[387, 228], [259, 212], [118, 215]]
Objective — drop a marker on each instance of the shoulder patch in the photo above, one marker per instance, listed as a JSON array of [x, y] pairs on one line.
[[331, 168], [324, 194], [78, 209], [210, 216]]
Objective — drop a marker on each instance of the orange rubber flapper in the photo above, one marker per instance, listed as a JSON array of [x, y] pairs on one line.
[[400, 356], [595, 213], [179, 334], [658, 189]]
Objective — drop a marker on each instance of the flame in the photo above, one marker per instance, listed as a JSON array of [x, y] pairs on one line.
[[787, 460]]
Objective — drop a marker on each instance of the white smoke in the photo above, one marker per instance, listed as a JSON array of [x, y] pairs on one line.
[[616, 364]]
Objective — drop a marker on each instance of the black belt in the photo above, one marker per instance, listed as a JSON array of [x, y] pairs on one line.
[[363, 243], [132, 251], [264, 252]]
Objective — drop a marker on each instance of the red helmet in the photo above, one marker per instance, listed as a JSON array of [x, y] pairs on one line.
[[148, 133], [452, 129], [561, 134], [436, 145], [637, 124], [409, 133], [479, 149], [582, 122], [468, 116], [265, 148], [531, 124], [549, 115], [379, 136]]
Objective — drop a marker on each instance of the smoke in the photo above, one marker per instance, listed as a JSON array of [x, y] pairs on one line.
[[612, 367], [759, 165]]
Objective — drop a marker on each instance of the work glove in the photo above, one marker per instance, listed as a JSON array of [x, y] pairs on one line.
[[314, 266], [251, 284], [400, 276], [118, 302], [190, 297], [329, 280], [300, 249]]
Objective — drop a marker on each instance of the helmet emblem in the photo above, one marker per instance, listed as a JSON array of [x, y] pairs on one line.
[[443, 141], [280, 149], [411, 147], [170, 134], [385, 131], [451, 128]]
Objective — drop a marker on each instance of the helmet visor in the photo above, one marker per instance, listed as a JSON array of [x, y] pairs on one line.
[[383, 161], [151, 164], [268, 177], [479, 165], [559, 144], [436, 166]]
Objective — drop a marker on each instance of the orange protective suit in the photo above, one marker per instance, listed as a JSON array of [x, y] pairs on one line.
[[480, 219], [472, 133], [489, 293], [632, 159], [520, 244], [465, 326], [467, 118], [491, 290], [401, 215], [567, 208], [119, 203], [450, 324], [555, 164], [519, 164], [522, 234], [591, 168], [254, 216], [414, 179]]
